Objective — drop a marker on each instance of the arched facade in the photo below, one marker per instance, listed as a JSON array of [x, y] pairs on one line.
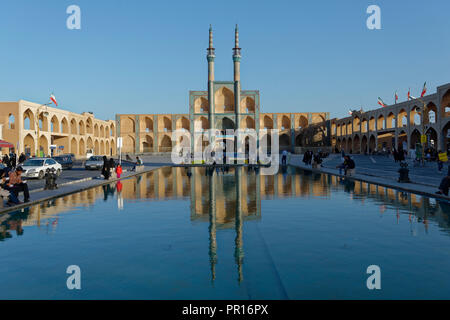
[[401, 124], [49, 131]]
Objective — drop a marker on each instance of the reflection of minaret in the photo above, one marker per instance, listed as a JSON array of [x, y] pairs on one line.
[[212, 226], [239, 251]]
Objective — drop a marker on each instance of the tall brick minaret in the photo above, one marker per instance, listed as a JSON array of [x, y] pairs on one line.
[[237, 76], [210, 57]]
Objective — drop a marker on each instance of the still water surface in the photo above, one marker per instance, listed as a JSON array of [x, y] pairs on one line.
[[233, 235]]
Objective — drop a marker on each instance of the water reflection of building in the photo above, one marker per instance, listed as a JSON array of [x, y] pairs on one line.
[[226, 200]]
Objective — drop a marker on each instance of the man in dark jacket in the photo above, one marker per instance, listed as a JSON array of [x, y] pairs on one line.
[[22, 158], [445, 184]]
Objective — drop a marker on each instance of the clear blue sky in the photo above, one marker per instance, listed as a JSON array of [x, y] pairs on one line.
[[141, 56]]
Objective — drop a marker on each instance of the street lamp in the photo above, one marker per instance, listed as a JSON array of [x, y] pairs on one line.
[[45, 113], [422, 112]]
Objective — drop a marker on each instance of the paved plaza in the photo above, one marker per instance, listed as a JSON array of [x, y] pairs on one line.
[[382, 170], [385, 167]]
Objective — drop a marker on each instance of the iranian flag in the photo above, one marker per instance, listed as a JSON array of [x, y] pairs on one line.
[[52, 97], [424, 90], [409, 94], [396, 96], [350, 112], [381, 103]]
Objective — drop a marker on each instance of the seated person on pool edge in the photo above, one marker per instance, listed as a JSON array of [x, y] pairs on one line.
[[348, 164], [5, 191], [445, 184], [17, 185]]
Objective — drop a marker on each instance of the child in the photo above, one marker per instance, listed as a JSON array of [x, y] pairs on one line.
[[118, 171]]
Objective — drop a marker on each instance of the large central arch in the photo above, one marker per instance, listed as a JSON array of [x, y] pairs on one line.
[[224, 100]]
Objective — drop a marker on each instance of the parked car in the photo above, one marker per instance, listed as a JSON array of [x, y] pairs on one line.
[[65, 161], [36, 167], [94, 163]]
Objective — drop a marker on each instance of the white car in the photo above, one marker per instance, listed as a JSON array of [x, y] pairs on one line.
[[36, 167]]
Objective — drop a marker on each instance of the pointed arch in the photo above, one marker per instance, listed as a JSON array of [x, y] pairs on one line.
[[73, 127], [147, 124], [64, 125], [43, 146], [248, 123], [74, 146], [267, 122], [445, 105], [29, 145], [89, 125], [147, 144], [107, 148], [127, 125], [166, 144], [391, 123], [128, 144], [96, 147], [247, 105], [201, 105], [302, 122], [82, 148], [431, 115], [381, 122], [414, 138], [28, 120], [285, 123], [224, 100], [81, 128], [183, 123], [54, 124], [96, 131]]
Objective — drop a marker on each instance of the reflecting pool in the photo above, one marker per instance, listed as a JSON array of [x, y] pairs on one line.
[[178, 234]]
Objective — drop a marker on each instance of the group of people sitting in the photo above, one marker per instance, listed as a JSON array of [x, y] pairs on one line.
[[11, 185]]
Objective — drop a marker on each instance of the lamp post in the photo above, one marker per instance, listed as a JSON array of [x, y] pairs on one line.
[[37, 125], [422, 113]]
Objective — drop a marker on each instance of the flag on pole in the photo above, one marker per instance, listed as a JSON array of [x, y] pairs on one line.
[[409, 94], [381, 103], [52, 97], [396, 96], [424, 90], [350, 112]]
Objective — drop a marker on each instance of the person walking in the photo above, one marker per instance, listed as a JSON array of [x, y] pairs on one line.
[[283, 157], [395, 154]]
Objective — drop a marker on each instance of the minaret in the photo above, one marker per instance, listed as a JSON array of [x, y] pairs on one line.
[[210, 56], [237, 76]]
